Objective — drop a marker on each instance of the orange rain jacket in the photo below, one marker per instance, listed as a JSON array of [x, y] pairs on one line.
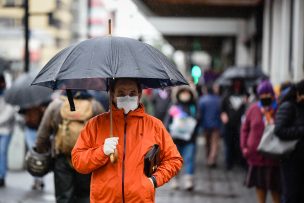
[[124, 181]]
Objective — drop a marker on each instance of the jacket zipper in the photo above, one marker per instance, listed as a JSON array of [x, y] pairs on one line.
[[123, 160]]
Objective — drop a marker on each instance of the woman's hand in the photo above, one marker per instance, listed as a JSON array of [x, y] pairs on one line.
[[245, 152]]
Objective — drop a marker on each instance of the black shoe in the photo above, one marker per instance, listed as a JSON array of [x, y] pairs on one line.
[[212, 165], [2, 182], [38, 185]]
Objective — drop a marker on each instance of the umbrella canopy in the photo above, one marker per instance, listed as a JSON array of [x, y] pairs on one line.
[[88, 65], [250, 74], [22, 94], [243, 73], [4, 65]]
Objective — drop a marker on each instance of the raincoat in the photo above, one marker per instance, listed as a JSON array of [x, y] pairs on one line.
[[125, 181]]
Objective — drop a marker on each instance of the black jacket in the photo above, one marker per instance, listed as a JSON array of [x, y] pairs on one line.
[[289, 123]]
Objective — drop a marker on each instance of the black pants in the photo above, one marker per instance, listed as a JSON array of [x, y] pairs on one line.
[[70, 186], [293, 179], [233, 154]]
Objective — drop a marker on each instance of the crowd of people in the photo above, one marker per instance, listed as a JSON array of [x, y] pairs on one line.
[[233, 115]]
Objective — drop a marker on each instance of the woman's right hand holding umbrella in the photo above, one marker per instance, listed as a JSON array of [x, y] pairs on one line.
[[109, 146]]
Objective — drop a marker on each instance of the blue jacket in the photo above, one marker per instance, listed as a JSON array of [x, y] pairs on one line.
[[209, 110]]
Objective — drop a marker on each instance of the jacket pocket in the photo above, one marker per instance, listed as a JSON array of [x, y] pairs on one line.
[[149, 190]]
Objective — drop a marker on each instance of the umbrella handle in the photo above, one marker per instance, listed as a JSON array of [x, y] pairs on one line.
[[114, 157]]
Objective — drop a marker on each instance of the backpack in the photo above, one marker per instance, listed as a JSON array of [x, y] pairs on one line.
[[72, 124]]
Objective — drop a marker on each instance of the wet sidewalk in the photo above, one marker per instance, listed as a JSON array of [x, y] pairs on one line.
[[212, 186]]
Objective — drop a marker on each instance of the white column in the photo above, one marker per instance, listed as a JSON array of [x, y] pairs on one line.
[[242, 56], [266, 38], [285, 42], [83, 19], [298, 40], [276, 41]]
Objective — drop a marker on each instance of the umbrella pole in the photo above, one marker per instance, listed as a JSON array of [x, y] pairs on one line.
[[114, 156]]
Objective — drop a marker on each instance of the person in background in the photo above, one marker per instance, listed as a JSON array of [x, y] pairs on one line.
[[70, 186], [233, 107], [32, 118], [146, 99], [284, 89], [263, 173], [182, 124], [289, 125], [7, 120], [161, 101], [210, 122]]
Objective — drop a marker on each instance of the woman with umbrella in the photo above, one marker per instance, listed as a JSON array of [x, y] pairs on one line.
[[135, 133], [123, 66]]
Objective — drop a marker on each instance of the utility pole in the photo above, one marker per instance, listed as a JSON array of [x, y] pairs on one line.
[[26, 36], [89, 23]]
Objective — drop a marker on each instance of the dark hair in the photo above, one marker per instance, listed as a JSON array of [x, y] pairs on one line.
[[241, 81], [285, 85], [2, 78], [112, 83], [291, 95], [2, 82], [300, 87], [185, 90]]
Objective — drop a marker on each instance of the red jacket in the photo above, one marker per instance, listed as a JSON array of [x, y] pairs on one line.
[[251, 134], [137, 132]]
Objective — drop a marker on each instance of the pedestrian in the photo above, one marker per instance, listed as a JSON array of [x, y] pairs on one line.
[[233, 107], [64, 125], [32, 118], [182, 124], [161, 101], [135, 132], [210, 122], [7, 121], [289, 125], [263, 173]]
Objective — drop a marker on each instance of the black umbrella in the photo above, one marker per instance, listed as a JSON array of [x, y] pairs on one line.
[[88, 65], [93, 63], [243, 73], [22, 94], [4, 65], [249, 74]]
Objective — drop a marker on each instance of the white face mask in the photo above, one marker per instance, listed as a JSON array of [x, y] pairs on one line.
[[127, 103]]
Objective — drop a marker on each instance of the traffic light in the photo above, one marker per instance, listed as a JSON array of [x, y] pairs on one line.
[[196, 73]]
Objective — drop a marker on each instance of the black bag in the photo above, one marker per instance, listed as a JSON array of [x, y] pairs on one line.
[[151, 160]]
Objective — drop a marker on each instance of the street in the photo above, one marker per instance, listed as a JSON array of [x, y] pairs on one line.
[[212, 186]]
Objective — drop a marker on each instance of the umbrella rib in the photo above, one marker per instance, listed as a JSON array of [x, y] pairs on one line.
[[160, 61], [71, 50]]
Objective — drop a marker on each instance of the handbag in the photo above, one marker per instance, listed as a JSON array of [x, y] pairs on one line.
[[182, 128], [272, 146], [151, 160]]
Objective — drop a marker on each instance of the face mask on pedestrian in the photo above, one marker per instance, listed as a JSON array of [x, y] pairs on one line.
[[266, 101], [127, 103]]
